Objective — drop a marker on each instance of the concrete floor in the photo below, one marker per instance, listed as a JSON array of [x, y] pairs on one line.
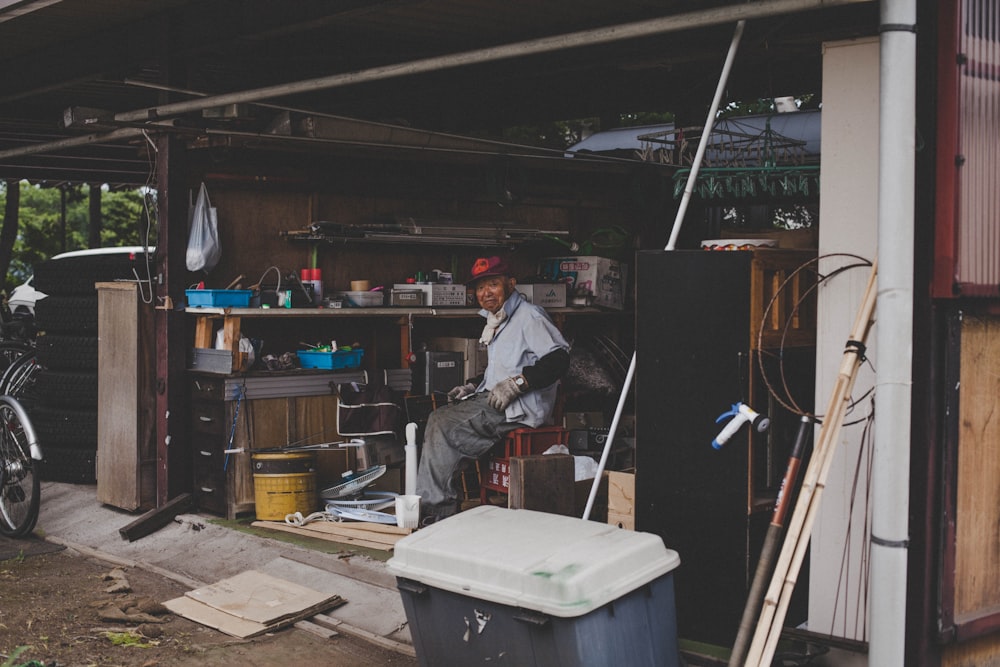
[[196, 550]]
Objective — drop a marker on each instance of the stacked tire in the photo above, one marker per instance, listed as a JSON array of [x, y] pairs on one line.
[[63, 404]]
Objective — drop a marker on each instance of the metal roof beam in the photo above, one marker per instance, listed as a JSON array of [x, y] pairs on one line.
[[604, 35]]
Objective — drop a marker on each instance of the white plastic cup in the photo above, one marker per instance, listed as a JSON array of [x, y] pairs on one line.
[[407, 511]]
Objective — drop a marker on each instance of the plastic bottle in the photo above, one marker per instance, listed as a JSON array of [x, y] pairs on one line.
[[316, 279], [410, 486]]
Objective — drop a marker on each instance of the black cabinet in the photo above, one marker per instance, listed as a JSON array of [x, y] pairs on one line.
[[705, 322]]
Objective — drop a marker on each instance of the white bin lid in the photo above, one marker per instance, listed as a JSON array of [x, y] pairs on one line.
[[558, 565]]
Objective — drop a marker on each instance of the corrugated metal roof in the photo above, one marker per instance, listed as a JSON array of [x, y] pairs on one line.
[[90, 53]]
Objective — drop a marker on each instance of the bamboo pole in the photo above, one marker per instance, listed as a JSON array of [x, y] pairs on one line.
[[793, 550], [772, 541]]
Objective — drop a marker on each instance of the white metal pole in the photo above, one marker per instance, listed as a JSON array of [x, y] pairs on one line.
[[678, 219], [706, 132], [894, 338], [611, 436]]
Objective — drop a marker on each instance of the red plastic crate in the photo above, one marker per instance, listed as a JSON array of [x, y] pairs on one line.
[[528, 441], [520, 442]]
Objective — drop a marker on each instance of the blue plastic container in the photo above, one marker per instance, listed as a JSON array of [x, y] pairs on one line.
[[218, 298], [530, 588], [330, 360]]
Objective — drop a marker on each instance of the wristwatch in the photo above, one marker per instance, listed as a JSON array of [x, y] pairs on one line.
[[521, 383]]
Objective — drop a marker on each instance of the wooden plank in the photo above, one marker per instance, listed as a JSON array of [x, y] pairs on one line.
[[977, 531], [231, 335], [623, 521], [621, 499], [382, 543], [349, 530], [321, 535], [347, 629], [621, 494], [203, 332], [543, 483], [315, 629], [157, 518], [362, 528], [117, 392]]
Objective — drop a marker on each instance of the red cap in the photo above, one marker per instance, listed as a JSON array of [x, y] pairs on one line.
[[487, 267]]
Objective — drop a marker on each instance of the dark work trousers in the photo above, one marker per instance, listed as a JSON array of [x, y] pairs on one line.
[[460, 430]]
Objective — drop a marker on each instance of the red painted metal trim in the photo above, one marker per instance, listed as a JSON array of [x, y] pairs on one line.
[[946, 207]]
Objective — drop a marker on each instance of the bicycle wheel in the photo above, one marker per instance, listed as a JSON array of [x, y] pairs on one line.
[[11, 350], [19, 378], [20, 494]]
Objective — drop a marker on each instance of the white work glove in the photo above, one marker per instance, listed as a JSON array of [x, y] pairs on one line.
[[506, 391], [461, 391]]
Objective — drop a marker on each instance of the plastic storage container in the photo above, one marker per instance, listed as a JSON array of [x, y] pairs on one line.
[[362, 299], [218, 298], [284, 484], [529, 588], [330, 360]]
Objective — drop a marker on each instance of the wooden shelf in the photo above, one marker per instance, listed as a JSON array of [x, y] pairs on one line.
[[232, 319], [393, 311]]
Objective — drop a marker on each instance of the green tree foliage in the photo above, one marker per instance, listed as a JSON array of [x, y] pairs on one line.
[[40, 224]]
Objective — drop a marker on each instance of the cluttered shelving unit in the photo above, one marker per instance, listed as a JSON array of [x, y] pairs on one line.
[[288, 405], [231, 320]]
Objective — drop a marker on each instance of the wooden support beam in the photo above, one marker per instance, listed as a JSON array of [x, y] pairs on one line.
[[157, 518]]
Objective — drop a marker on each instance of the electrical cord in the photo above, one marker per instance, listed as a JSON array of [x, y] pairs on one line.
[[787, 400], [150, 207]]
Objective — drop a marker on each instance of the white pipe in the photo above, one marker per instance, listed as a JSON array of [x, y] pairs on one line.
[[678, 219], [706, 132], [606, 35], [607, 443], [894, 337]]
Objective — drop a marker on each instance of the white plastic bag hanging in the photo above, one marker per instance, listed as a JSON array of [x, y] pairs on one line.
[[203, 249]]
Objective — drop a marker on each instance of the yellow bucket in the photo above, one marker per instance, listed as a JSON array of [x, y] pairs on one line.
[[284, 484]]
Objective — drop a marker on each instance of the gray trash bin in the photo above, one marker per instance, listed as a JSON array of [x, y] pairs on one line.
[[516, 587]]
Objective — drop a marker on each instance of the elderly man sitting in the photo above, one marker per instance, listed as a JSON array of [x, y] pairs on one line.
[[527, 357]]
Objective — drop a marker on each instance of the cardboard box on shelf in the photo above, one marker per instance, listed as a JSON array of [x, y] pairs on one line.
[[473, 352], [437, 294], [546, 295], [412, 298], [604, 278]]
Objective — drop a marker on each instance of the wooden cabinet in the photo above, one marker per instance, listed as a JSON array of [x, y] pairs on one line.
[[259, 412], [706, 324], [126, 427]]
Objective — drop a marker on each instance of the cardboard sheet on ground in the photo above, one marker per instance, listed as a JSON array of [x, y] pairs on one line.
[[251, 603]]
